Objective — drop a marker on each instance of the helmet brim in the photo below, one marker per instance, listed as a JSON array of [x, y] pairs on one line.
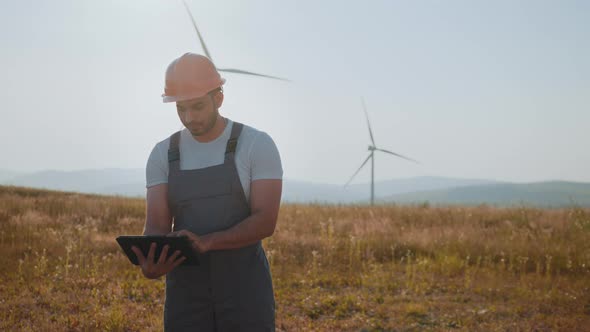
[[172, 99]]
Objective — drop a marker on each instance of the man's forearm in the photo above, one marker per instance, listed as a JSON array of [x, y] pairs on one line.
[[251, 230], [158, 220], [155, 230]]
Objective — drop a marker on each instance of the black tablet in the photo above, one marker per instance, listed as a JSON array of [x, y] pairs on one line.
[[143, 242]]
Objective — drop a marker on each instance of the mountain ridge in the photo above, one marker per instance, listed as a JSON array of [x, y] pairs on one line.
[[416, 190]]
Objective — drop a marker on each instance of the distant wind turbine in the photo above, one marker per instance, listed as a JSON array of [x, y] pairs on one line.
[[229, 70], [372, 149]]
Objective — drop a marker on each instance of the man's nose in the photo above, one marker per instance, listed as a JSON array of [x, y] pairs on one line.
[[189, 116]]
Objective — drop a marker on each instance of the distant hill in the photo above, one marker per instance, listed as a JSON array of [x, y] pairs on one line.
[[435, 190], [101, 181], [6, 175], [131, 182], [548, 194], [304, 192]]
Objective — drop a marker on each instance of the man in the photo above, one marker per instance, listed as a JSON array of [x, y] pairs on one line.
[[219, 183]]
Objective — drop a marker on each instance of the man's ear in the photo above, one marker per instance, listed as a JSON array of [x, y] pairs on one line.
[[218, 98]]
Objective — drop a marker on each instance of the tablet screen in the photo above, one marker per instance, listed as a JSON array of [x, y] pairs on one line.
[[143, 242]]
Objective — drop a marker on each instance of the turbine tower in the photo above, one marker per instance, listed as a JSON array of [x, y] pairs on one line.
[[372, 149], [228, 70]]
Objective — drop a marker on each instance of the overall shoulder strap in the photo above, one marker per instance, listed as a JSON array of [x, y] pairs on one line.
[[174, 153], [232, 142]]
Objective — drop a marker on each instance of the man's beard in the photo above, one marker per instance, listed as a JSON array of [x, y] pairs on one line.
[[207, 127]]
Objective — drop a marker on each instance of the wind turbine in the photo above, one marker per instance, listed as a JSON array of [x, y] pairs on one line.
[[229, 70], [372, 149]]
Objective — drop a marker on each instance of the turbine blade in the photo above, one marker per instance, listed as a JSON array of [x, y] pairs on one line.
[[355, 173], [398, 155], [368, 123], [239, 71], [198, 33]]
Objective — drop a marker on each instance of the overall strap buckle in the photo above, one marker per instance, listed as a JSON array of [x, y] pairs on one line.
[[231, 145], [232, 142]]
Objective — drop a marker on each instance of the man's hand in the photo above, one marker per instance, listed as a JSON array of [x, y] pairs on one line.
[[153, 270], [200, 243]]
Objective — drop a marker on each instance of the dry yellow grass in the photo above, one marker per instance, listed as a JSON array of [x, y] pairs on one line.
[[335, 268]]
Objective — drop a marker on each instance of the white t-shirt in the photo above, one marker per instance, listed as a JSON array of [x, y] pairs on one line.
[[257, 156]]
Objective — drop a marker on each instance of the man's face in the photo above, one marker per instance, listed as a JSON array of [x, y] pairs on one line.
[[200, 114]]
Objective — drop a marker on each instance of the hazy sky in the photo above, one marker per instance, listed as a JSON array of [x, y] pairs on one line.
[[472, 89]]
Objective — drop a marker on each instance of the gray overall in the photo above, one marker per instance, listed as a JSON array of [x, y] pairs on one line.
[[231, 290]]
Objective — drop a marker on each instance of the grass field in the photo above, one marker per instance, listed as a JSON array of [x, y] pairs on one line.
[[335, 268]]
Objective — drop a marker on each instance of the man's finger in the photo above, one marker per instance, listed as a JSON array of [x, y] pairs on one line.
[[178, 261], [173, 256], [163, 255], [139, 254], [152, 252]]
